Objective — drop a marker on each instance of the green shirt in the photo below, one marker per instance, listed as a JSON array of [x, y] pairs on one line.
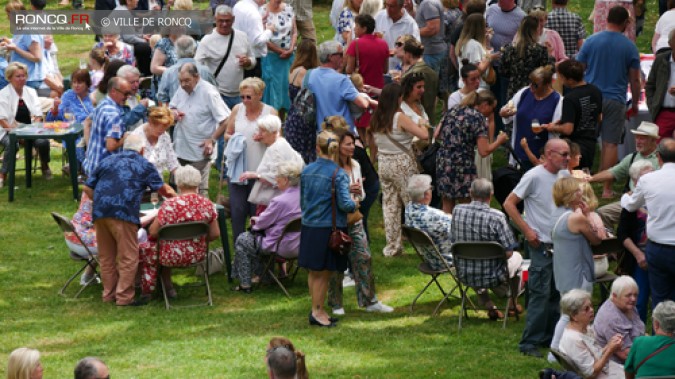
[[620, 170], [659, 364]]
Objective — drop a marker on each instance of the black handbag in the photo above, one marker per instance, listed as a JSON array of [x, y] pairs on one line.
[[339, 242]]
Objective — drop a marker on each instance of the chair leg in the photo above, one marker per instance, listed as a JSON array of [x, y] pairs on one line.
[[62, 292], [506, 310], [160, 282], [206, 281], [271, 272], [433, 279], [267, 268], [462, 312]]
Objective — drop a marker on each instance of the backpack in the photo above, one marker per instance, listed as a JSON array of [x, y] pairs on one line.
[[305, 102]]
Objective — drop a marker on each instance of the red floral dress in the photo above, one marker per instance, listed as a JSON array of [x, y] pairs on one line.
[[184, 208]]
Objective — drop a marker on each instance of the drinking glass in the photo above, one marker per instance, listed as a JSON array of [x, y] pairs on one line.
[[154, 199]]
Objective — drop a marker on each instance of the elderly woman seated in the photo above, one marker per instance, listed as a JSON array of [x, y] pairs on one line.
[[619, 316], [578, 340], [188, 206], [653, 355], [267, 229], [419, 215]]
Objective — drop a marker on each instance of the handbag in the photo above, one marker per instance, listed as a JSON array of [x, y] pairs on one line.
[[339, 242], [304, 103], [490, 75], [215, 259]]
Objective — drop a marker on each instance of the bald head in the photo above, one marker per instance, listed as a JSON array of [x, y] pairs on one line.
[[667, 150], [557, 153]]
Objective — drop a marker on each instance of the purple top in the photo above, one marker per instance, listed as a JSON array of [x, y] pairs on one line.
[[282, 209], [611, 321]]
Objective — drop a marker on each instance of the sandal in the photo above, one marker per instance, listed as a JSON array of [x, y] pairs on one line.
[[517, 310], [495, 314], [239, 288]]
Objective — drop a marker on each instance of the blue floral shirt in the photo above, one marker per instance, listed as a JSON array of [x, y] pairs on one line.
[[118, 183], [435, 223], [80, 108]]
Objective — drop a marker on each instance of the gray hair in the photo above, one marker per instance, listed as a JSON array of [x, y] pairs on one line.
[[664, 313], [481, 189], [417, 186], [190, 68], [86, 368], [133, 142], [328, 48], [270, 123], [223, 10], [622, 284], [572, 302], [636, 169], [187, 177], [370, 7], [291, 171], [127, 70], [282, 363], [185, 46]]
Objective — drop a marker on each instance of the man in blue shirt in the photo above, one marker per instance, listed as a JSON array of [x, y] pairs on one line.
[[116, 187], [612, 60]]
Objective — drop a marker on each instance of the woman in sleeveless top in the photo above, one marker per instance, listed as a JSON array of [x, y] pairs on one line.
[[393, 132]]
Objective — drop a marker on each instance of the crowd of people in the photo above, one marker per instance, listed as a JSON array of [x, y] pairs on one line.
[[300, 129]]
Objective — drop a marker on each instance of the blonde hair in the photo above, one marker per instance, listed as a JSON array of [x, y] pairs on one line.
[[474, 28], [154, 39], [160, 115], [357, 81], [588, 195], [545, 73], [335, 124], [14, 5], [22, 362], [328, 145], [564, 191], [183, 5], [254, 83], [13, 67]]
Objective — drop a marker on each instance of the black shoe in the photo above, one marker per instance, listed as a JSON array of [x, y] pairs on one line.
[[246, 290], [333, 319], [135, 303], [532, 352], [315, 322]]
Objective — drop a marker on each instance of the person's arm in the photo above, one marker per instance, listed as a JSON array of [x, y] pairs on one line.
[[135, 114], [485, 148], [167, 191], [153, 229], [526, 148], [579, 223], [635, 88], [214, 230], [612, 346], [602, 176], [227, 126], [407, 124], [157, 64], [362, 102], [343, 196], [351, 64], [86, 132], [431, 28], [112, 144], [510, 206], [33, 54], [88, 191], [556, 127]]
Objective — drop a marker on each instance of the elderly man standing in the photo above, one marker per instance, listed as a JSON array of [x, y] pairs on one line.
[[655, 191], [646, 136], [612, 61], [91, 368], [248, 19], [660, 91], [199, 110], [536, 190], [185, 51], [568, 25], [477, 222], [419, 215], [135, 107], [108, 127], [392, 22], [116, 187], [333, 91], [430, 20]]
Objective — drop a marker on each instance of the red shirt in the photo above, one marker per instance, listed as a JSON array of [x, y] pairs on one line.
[[373, 58]]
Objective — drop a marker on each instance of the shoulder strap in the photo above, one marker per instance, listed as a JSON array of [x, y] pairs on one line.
[[626, 188], [296, 75], [227, 54], [356, 46], [305, 80], [400, 146], [558, 222], [333, 196], [650, 356]]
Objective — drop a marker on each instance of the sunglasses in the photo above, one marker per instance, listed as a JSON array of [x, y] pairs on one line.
[[564, 155], [398, 44], [246, 97]]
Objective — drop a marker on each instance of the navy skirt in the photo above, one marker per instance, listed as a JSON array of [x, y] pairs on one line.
[[314, 253]]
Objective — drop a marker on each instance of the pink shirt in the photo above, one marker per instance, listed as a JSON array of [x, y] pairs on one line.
[[373, 58]]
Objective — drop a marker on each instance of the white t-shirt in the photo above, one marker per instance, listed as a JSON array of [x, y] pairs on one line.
[[664, 25], [474, 52]]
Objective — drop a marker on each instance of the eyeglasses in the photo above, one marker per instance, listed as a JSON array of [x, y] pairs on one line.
[[398, 44], [246, 97], [125, 94], [564, 155]]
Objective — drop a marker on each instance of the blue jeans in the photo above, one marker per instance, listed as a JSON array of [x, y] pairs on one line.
[[661, 262], [230, 102], [543, 308], [642, 279], [434, 60], [371, 195]]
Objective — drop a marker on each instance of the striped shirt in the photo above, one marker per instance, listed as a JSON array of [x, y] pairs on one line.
[[106, 123], [570, 28]]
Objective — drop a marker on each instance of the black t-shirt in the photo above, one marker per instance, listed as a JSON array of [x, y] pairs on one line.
[[582, 106], [22, 113]]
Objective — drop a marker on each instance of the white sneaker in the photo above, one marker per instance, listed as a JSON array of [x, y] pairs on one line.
[[339, 311], [348, 281], [379, 307], [550, 358]]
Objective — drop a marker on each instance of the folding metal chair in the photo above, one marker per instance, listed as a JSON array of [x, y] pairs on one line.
[[432, 264], [293, 226], [186, 231], [480, 251], [565, 361], [67, 227]]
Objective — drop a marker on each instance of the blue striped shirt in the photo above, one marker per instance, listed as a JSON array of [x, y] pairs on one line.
[[106, 123], [80, 108]]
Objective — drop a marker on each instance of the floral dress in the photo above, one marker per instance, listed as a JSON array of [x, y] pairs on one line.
[[345, 23], [275, 69], [166, 46], [518, 69], [455, 166], [84, 225], [125, 53], [300, 136], [184, 208]]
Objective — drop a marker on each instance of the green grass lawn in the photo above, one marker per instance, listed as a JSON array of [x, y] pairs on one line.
[[228, 340]]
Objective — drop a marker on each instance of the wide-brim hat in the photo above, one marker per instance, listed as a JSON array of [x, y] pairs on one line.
[[647, 129]]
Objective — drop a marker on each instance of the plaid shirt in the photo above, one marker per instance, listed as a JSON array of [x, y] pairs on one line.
[[436, 224], [478, 222], [570, 28]]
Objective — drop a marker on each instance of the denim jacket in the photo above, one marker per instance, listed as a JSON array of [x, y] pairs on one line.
[[315, 195]]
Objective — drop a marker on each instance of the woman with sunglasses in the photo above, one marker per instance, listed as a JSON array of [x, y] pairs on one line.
[[244, 119], [529, 109]]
